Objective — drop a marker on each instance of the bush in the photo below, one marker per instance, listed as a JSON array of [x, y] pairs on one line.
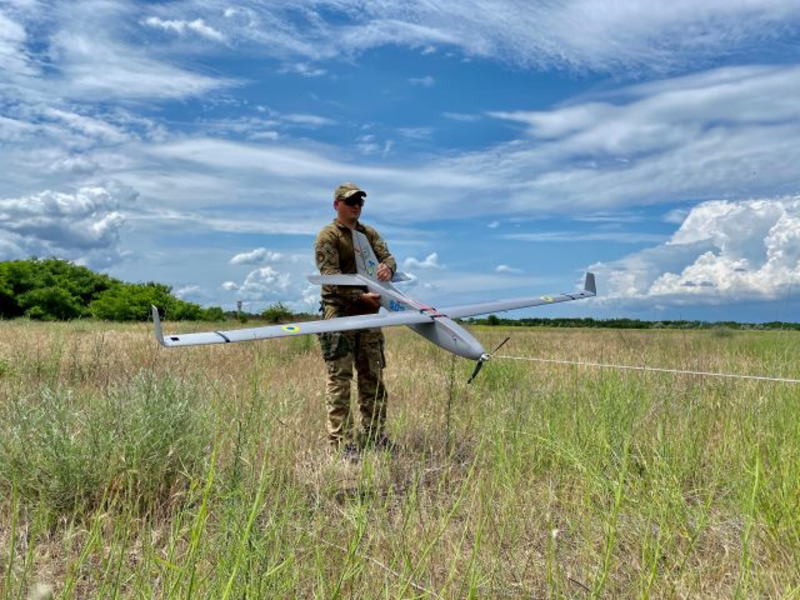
[[56, 290], [50, 304], [140, 440], [277, 313]]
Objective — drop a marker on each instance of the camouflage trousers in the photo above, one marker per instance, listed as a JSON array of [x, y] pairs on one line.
[[342, 351]]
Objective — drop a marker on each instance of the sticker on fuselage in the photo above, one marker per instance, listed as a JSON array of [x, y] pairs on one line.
[[291, 328]]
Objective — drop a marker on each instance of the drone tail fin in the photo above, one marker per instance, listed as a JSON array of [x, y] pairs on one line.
[[366, 261], [157, 325]]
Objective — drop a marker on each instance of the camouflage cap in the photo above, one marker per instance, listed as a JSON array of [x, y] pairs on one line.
[[346, 190]]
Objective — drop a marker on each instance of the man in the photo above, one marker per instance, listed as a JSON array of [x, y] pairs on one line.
[[341, 350]]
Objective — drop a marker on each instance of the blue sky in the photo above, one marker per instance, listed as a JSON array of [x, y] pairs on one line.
[[506, 147]]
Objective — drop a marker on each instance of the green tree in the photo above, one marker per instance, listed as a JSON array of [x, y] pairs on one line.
[[54, 289], [277, 313], [50, 304]]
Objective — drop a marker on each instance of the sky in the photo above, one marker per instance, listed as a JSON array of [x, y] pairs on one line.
[[506, 147]]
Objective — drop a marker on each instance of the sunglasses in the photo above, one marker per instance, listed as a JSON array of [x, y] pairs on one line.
[[354, 200]]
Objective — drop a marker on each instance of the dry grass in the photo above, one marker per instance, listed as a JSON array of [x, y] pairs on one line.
[[202, 472]]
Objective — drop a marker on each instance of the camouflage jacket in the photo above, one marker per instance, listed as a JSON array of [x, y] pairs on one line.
[[334, 254]]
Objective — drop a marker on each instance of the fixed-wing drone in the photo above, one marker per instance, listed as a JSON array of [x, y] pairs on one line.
[[436, 325]]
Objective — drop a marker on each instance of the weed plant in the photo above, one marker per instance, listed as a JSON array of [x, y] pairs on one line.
[[128, 470]]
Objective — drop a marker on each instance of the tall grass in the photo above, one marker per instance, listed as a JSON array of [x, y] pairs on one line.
[[127, 470]]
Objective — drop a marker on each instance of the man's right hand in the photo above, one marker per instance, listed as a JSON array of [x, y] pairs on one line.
[[372, 300]]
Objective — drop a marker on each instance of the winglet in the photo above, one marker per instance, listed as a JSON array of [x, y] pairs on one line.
[[398, 276], [588, 285], [157, 323]]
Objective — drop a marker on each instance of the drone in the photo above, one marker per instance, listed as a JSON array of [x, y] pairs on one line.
[[436, 325]]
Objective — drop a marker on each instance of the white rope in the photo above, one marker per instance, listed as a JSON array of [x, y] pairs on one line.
[[656, 369]]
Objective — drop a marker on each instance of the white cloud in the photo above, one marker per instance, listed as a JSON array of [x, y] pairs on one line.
[[188, 291], [429, 262], [230, 286], [181, 27], [723, 252], [574, 34], [369, 145], [84, 225], [506, 269], [465, 118], [88, 126], [264, 285], [728, 132], [14, 57], [97, 68], [299, 119], [304, 69], [416, 133], [676, 216], [308, 120], [426, 81], [257, 256]]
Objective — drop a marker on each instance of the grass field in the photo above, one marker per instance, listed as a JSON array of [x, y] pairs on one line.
[[128, 470]]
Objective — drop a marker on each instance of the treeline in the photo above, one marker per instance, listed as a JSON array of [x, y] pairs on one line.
[[494, 320], [57, 290]]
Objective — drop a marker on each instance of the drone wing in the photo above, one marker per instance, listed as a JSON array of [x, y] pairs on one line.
[[289, 329], [470, 310]]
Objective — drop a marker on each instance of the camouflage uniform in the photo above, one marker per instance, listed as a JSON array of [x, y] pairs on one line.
[[365, 348]]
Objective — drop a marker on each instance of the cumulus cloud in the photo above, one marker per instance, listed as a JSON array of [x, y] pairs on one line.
[[230, 286], [265, 284], [723, 252], [84, 225], [189, 292], [257, 256], [429, 262]]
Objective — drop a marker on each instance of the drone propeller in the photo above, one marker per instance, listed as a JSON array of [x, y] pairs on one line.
[[483, 359]]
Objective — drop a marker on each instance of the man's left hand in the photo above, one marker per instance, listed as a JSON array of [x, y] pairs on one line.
[[384, 272]]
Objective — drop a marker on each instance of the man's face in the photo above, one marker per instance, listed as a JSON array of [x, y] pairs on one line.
[[349, 209]]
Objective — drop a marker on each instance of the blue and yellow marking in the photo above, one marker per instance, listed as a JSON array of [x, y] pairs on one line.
[[291, 328], [547, 299], [370, 267]]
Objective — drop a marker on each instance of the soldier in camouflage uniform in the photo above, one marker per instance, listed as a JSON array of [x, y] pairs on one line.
[[365, 348]]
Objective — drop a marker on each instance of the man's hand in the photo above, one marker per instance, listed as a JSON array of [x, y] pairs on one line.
[[373, 301], [384, 272]]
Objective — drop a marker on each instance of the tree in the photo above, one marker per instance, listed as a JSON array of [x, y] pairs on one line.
[[277, 313], [53, 289], [50, 304]]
